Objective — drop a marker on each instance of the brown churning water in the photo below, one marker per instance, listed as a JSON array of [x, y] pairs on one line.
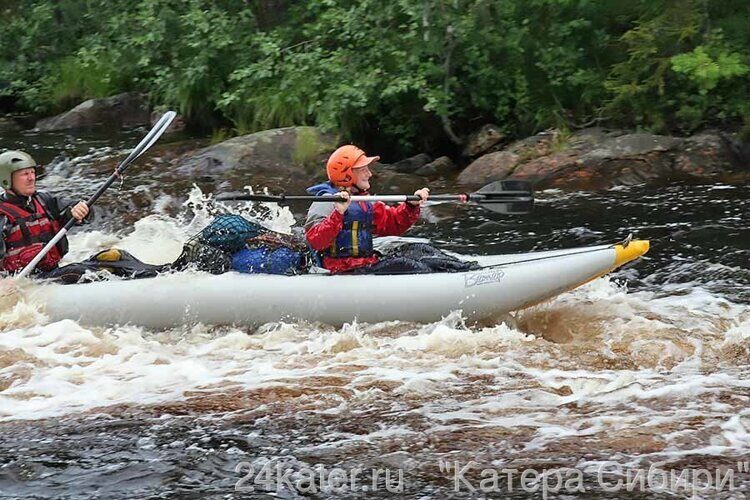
[[644, 369]]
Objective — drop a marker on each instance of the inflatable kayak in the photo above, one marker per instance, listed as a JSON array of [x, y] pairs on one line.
[[502, 284]]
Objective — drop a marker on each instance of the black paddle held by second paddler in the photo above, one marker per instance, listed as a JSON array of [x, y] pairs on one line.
[[505, 197]]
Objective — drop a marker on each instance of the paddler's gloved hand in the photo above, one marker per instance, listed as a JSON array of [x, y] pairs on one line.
[[423, 193], [79, 211], [343, 207]]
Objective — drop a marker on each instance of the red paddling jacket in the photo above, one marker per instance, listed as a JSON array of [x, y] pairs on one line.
[[345, 241], [27, 224]]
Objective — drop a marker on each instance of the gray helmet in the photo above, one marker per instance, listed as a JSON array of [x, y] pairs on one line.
[[11, 161]]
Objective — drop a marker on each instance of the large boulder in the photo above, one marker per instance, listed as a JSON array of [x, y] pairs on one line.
[[123, 110], [282, 160], [8, 126], [177, 125], [411, 164], [740, 148], [491, 167], [594, 159], [437, 168], [707, 155], [290, 157], [388, 181], [621, 160], [484, 140]]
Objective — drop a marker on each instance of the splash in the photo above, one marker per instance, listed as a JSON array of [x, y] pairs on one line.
[[159, 238], [269, 215]]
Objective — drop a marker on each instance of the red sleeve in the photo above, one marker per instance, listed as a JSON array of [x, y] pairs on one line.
[[394, 221], [323, 234]]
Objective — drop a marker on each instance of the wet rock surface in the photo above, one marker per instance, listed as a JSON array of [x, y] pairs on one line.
[[412, 164], [8, 126], [596, 159], [123, 110], [286, 153], [484, 141], [437, 168]]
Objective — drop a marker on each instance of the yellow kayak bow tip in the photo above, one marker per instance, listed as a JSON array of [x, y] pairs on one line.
[[626, 252]]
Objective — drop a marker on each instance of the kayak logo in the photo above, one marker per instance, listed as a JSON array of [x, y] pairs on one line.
[[483, 277]]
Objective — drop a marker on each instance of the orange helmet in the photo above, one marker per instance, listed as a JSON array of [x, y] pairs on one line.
[[342, 161]]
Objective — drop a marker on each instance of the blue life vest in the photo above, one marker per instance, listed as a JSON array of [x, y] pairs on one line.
[[355, 239]]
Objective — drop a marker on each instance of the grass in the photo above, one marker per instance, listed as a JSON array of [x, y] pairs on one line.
[[75, 82]]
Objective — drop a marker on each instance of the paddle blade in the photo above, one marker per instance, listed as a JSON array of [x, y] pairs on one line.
[[509, 208], [509, 187], [506, 197]]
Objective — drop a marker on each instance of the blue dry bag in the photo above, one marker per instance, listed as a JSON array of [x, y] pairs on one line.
[[267, 260]]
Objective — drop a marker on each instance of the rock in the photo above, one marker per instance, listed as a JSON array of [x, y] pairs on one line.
[[739, 148], [177, 125], [412, 164], [706, 155], [532, 147], [283, 160], [440, 167], [483, 140], [554, 141], [24, 121], [283, 154], [390, 182], [491, 167], [550, 167], [597, 159], [123, 110], [631, 145], [8, 126], [622, 160]]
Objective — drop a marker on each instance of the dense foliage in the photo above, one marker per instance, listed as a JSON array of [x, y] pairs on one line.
[[405, 73]]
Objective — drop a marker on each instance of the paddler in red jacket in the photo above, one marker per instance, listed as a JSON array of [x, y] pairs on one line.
[[342, 232], [29, 219]]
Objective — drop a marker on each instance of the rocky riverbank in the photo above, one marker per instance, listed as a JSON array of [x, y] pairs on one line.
[[593, 158]]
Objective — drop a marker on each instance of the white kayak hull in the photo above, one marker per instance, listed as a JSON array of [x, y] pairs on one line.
[[506, 283]]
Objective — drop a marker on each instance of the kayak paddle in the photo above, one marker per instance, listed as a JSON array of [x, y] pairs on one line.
[[148, 141], [505, 197]]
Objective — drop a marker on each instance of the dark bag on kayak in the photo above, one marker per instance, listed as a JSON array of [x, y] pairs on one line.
[[231, 242], [114, 261], [271, 253], [434, 258], [415, 258], [211, 249]]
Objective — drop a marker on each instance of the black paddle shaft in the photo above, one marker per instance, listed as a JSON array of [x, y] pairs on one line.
[[145, 143]]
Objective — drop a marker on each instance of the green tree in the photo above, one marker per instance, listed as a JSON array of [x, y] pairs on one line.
[[401, 74]]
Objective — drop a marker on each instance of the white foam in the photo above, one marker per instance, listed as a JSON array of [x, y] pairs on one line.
[[634, 362]]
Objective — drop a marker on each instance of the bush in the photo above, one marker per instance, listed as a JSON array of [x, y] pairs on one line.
[[398, 74]]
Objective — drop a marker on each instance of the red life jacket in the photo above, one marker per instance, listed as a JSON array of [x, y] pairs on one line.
[[27, 233]]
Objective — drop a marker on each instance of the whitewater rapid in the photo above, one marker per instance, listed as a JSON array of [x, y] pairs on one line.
[[634, 369]]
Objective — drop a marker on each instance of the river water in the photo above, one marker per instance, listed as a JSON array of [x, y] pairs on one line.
[[635, 381]]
